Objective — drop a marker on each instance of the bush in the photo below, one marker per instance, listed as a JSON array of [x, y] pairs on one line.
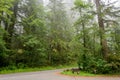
[[99, 65], [21, 66], [11, 67], [34, 51]]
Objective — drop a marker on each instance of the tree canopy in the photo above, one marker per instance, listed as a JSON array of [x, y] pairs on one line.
[[35, 35]]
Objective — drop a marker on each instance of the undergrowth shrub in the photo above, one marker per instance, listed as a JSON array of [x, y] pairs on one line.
[[98, 65]]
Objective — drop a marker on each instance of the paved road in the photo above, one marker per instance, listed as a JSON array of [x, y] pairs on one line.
[[49, 75]]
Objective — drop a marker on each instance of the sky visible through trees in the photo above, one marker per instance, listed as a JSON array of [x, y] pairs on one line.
[[33, 34]]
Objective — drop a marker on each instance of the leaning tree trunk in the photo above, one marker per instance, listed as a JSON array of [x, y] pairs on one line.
[[103, 41]]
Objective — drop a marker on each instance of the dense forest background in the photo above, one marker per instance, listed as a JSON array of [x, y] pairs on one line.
[[34, 35]]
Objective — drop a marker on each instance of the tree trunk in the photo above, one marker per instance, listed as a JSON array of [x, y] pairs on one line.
[[1, 13], [103, 41], [84, 35], [9, 27]]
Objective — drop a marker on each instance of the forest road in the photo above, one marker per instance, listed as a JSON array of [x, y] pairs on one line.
[[49, 75]]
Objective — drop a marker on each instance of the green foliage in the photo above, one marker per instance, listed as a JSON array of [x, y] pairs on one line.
[[32, 36], [88, 37], [7, 70], [59, 35], [60, 53], [5, 6], [33, 52], [2, 43], [87, 74], [98, 65], [81, 4], [3, 49]]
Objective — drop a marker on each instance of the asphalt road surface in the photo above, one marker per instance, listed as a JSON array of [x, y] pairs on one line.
[[49, 75]]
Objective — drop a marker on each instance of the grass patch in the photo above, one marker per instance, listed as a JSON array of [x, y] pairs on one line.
[[82, 73], [8, 71]]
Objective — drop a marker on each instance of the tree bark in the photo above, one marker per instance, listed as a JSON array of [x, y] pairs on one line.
[[103, 41]]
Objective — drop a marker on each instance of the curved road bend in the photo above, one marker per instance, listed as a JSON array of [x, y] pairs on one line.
[[49, 75]]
